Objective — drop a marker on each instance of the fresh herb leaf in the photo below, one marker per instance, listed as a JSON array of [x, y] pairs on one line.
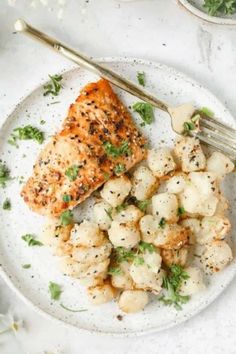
[[27, 132], [71, 310], [195, 118], [30, 239], [141, 78], [42, 122], [121, 207], [114, 271], [181, 211], [54, 86], [145, 111], [66, 198], [162, 223], [109, 213], [26, 266], [217, 7], [145, 246], [119, 168], [72, 172], [55, 290], [116, 151], [6, 204], [4, 175], [122, 255], [172, 283], [207, 112], [189, 126], [143, 204], [66, 218], [138, 260]]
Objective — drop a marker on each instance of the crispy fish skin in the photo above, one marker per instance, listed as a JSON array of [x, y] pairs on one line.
[[96, 117]]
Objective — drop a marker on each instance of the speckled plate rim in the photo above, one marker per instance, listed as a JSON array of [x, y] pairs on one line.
[[204, 16], [200, 305]]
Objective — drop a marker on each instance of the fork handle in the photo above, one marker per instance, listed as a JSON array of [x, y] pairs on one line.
[[89, 64]]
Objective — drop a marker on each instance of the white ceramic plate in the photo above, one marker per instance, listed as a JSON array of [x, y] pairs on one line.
[[197, 9], [32, 284]]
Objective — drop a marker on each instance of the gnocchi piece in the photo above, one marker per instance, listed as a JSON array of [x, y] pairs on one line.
[[222, 206], [86, 234], [190, 155], [219, 164], [195, 227], [176, 184], [165, 205], [172, 236], [83, 270], [132, 301], [101, 294], [194, 283], [160, 162], [101, 215], [123, 280], [216, 256], [124, 235], [205, 182], [92, 281], [145, 279], [149, 227], [213, 228], [171, 257], [144, 183], [131, 214], [116, 189], [153, 260], [91, 255]]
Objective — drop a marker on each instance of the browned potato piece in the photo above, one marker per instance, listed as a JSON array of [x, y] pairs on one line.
[[170, 257]]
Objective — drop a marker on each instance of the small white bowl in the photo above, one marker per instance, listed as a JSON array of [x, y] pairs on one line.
[[196, 8]]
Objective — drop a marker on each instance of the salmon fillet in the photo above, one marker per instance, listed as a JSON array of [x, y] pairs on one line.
[[98, 139]]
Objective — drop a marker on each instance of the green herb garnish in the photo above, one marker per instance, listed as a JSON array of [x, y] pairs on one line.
[[181, 211], [138, 260], [162, 223], [116, 151], [188, 126], [143, 204], [145, 111], [71, 310], [26, 266], [217, 7], [4, 175], [72, 172], [55, 290], [26, 133], [122, 254], [66, 218], [145, 246], [121, 207], [6, 204], [207, 112], [66, 198], [141, 78], [114, 271], [30, 239], [42, 122], [109, 213], [54, 86], [119, 168], [172, 283]]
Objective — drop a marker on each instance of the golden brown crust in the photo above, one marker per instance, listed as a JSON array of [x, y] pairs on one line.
[[96, 117]]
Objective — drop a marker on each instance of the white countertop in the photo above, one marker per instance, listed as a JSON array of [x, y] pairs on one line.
[[158, 30]]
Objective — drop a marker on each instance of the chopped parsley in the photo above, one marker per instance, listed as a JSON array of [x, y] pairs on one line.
[[119, 169], [72, 172], [6, 204], [27, 132], [188, 126], [145, 246], [162, 223], [54, 87], [181, 211], [217, 7], [66, 198], [138, 260], [4, 175], [42, 122], [145, 111], [141, 78], [172, 283], [143, 204], [121, 207], [124, 255], [30, 240], [26, 266], [116, 151], [66, 218], [114, 271], [72, 310], [207, 112], [109, 213], [55, 290]]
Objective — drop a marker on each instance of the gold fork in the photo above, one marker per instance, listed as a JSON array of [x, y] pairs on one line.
[[208, 130]]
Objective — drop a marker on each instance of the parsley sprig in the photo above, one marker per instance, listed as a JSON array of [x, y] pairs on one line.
[[30, 240], [54, 87], [55, 290], [217, 7], [141, 78], [143, 204], [172, 283], [27, 132], [4, 175], [145, 111], [116, 151], [66, 218]]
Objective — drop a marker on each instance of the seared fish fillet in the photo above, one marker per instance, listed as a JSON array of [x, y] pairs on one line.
[[97, 140]]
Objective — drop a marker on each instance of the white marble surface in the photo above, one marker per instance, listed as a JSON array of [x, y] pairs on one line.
[[158, 30]]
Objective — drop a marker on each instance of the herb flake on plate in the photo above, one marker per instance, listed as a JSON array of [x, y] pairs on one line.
[[54, 87], [30, 240], [26, 266], [27, 132], [72, 310], [4, 175], [145, 110], [6, 204], [141, 78], [55, 290]]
